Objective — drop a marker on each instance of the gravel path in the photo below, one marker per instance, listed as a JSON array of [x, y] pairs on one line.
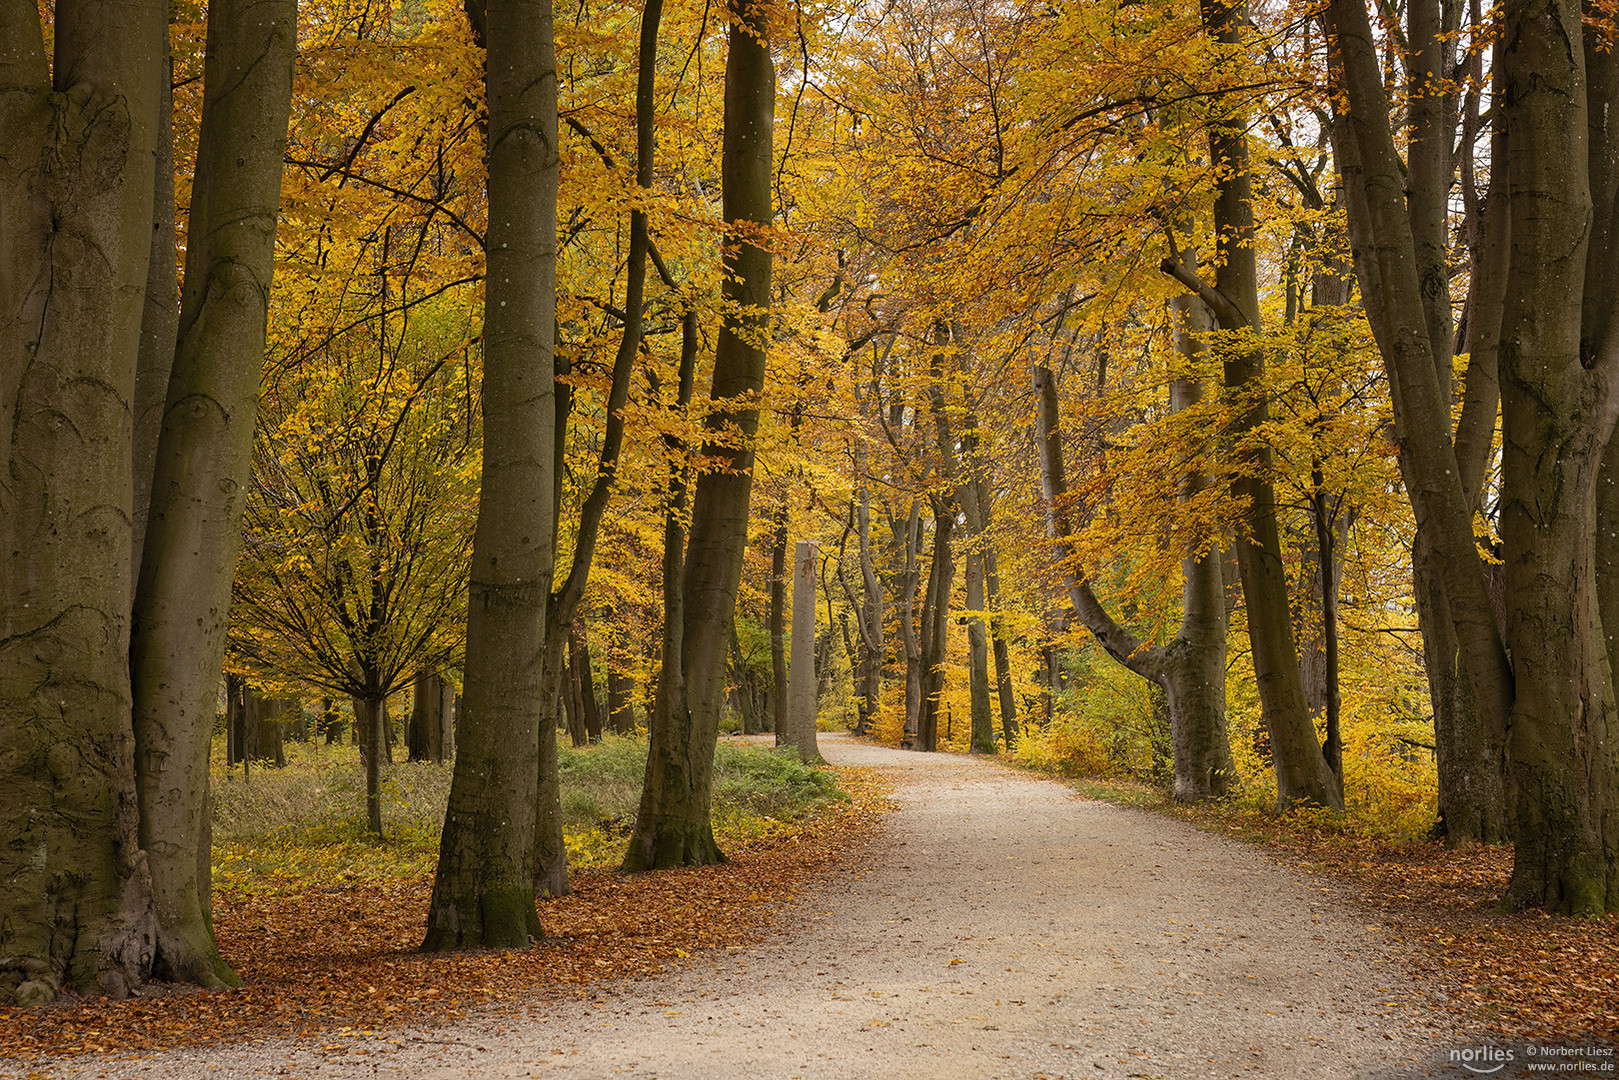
[[999, 927]]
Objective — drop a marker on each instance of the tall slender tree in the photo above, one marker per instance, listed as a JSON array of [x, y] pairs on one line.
[[673, 825], [483, 892]]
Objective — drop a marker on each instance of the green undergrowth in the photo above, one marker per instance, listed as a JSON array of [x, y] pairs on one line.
[[285, 829]]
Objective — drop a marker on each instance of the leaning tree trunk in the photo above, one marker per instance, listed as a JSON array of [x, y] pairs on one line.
[[483, 893], [673, 826], [1191, 668]]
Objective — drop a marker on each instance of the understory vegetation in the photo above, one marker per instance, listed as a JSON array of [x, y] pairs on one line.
[[1109, 727], [303, 825]]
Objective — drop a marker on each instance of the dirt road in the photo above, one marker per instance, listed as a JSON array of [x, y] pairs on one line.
[[1000, 927]]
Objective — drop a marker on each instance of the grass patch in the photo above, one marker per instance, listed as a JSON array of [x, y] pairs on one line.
[[759, 792], [304, 825]]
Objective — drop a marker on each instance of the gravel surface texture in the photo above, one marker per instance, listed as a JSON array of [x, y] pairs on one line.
[[999, 926]]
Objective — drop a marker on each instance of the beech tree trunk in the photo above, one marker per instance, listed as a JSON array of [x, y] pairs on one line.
[[907, 544], [1302, 772], [483, 893], [870, 609], [673, 826], [1557, 358], [620, 702], [935, 625], [800, 733], [779, 695], [983, 724], [429, 732], [80, 236], [1191, 668], [963, 497], [369, 721]]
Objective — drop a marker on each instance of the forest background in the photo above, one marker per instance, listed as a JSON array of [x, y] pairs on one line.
[[1140, 430]]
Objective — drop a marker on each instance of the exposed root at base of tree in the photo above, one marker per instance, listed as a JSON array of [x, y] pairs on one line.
[[340, 962]]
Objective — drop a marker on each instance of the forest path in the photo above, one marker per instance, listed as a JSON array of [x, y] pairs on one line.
[[999, 926]]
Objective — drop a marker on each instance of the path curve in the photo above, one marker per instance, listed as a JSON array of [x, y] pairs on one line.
[[1000, 926]]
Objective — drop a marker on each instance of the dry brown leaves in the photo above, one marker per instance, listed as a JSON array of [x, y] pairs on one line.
[[340, 962], [1524, 975]]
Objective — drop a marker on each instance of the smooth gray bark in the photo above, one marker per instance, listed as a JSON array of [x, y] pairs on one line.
[[483, 893], [1553, 701], [204, 453], [78, 139], [673, 826], [801, 686]]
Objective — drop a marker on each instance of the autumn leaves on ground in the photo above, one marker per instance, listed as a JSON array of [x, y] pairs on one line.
[[331, 955]]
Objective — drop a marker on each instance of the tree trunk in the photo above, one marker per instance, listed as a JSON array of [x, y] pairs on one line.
[[585, 680], [429, 727], [871, 604], [1302, 772], [483, 893], [965, 494], [331, 722], [160, 322], [673, 825], [76, 889], [235, 719], [561, 705], [620, 702], [1555, 424], [983, 724], [1558, 406], [779, 693], [1327, 558], [262, 719], [550, 852], [935, 625], [1472, 786], [802, 709], [908, 541], [1190, 670], [203, 458], [572, 708], [373, 743]]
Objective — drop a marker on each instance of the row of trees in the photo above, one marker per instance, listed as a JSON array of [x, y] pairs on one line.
[[1086, 261]]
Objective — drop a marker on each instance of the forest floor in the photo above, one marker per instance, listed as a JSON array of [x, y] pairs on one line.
[[996, 925]]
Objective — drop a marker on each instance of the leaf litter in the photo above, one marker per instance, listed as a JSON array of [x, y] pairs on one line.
[[340, 962]]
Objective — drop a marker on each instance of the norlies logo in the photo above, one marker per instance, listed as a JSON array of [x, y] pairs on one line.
[[1483, 1060]]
